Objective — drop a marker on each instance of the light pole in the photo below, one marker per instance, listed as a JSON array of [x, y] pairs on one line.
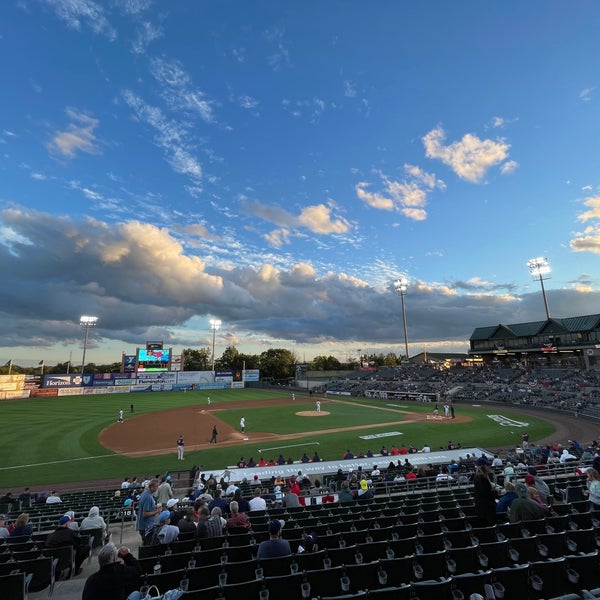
[[400, 286], [215, 325], [86, 322], [540, 269]]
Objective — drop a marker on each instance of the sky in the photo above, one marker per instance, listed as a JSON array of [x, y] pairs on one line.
[[277, 165]]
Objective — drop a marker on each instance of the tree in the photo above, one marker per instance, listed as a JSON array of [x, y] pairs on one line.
[[196, 360], [325, 363], [277, 363]]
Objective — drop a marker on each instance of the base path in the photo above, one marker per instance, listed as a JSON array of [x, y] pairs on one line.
[[156, 433]]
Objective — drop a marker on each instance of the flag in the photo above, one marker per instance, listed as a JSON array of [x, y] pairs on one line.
[[9, 363], [41, 362]]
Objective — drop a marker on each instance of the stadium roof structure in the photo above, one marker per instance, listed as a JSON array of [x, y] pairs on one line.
[[579, 336]]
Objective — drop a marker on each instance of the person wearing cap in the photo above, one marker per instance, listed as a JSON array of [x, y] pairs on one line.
[[176, 512], [364, 491], [523, 508], [117, 577], [4, 533], [274, 547], [167, 533], [539, 484], [308, 543], [64, 536]]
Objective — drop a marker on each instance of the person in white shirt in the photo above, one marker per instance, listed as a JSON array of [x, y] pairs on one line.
[[257, 503], [497, 462], [125, 483], [53, 499], [426, 448]]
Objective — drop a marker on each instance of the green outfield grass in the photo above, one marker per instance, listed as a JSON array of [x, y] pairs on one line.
[[55, 440]]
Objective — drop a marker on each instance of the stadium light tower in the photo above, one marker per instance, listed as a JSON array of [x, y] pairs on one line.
[[540, 269], [400, 286], [86, 322], [215, 325]]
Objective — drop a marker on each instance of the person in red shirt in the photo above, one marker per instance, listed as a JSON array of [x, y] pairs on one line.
[[394, 451], [403, 449], [261, 462], [410, 475]]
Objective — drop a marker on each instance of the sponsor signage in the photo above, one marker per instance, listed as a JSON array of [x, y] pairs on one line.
[[251, 375], [67, 380], [157, 377]]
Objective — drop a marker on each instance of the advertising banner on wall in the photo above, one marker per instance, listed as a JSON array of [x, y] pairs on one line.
[[251, 375], [187, 377], [66, 380], [161, 378], [223, 376]]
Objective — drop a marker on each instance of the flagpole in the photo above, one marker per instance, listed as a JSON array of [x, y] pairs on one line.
[[9, 366]]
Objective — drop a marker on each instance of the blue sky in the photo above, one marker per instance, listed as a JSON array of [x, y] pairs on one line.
[[276, 165]]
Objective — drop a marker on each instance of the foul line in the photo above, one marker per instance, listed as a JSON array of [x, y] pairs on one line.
[[290, 446]]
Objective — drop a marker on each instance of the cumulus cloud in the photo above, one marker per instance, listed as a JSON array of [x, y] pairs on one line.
[[586, 94], [79, 13], [510, 166], [317, 219], [78, 137], [140, 279], [588, 240], [407, 196], [470, 158]]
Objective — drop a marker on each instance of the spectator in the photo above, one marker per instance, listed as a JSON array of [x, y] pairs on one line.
[[63, 536], [593, 487], [4, 533], [237, 518], [53, 498], [274, 547], [147, 510], [539, 484], [290, 499], [219, 502], [114, 579], [257, 502], [484, 496], [25, 499], [94, 521], [308, 543], [187, 523], [523, 508], [74, 525], [167, 533], [345, 494], [22, 526], [164, 492], [507, 498], [201, 528]]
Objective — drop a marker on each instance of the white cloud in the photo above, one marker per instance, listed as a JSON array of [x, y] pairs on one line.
[[178, 91], [408, 196], [78, 137], [510, 166], [349, 89], [77, 13], [588, 240], [470, 158], [134, 7], [171, 136], [146, 33], [586, 94]]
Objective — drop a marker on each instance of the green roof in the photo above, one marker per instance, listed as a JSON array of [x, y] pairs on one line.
[[550, 326]]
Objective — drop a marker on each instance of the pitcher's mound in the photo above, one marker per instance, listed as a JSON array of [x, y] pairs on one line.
[[312, 413]]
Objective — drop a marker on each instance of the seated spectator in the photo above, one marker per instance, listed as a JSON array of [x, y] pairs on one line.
[[523, 508], [290, 499], [201, 527], [257, 502], [114, 579], [25, 499], [566, 456], [187, 523], [63, 536], [218, 513], [304, 458], [53, 498], [507, 498], [167, 533], [274, 547], [4, 533], [74, 525], [219, 502], [316, 457], [22, 526], [237, 518], [364, 491], [94, 521], [243, 504]]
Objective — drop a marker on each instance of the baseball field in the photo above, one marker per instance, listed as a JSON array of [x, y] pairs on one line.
[[79, 438]]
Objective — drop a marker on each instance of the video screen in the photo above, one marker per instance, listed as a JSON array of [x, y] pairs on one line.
[[153, 360]]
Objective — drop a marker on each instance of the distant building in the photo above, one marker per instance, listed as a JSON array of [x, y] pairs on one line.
[[573, 341]]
